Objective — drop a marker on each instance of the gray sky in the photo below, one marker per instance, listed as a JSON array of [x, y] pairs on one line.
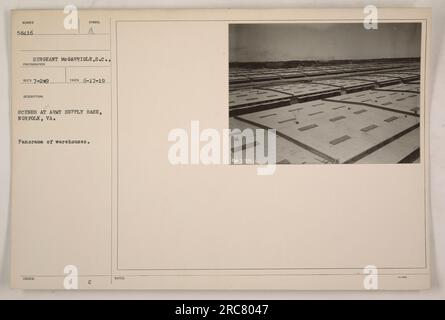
[[282, 42]]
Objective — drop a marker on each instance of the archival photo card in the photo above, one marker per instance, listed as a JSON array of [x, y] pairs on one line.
[[144, 146]]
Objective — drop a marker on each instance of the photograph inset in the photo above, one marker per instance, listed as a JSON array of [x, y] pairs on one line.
[[334, 93]]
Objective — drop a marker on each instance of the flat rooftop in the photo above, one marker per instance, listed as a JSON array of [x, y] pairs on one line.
[[334, 112]]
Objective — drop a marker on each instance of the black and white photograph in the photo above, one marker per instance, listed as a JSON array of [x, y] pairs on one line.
[[336, 93]]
